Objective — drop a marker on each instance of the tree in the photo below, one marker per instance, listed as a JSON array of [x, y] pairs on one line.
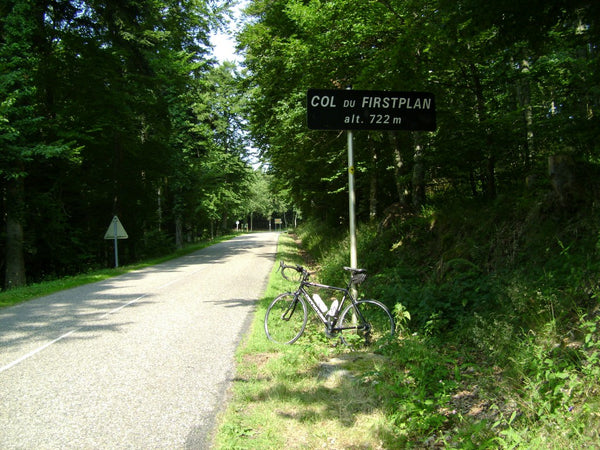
[[25, 110]]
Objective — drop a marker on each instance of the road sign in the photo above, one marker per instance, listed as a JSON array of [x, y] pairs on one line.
[[346, 109], [115, 230]]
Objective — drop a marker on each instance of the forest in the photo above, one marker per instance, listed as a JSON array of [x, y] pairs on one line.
[[515, 84], [117, 108]]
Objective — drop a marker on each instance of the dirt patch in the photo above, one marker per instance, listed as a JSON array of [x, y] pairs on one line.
[[347, 367], [254, 364], [257, 359]]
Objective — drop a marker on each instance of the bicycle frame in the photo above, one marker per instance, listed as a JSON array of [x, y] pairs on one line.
[[347, 295]]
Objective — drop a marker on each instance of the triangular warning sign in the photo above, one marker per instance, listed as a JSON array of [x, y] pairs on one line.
[[115, 229]]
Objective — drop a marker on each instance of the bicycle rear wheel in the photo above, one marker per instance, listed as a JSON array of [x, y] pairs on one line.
[[377, 327], [285, 319]]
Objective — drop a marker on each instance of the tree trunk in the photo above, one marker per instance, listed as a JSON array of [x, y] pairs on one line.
[[373, 185], [524, 97], [489, 172], [561, 170], [399, 169], [178, 233], [159, 212], [15, 260], [418, 191], [224, 227], [490, 185]]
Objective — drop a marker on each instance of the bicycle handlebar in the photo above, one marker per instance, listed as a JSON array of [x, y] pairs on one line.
[[357, 275], [297, 268]]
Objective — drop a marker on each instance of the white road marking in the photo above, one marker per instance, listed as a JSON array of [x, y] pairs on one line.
[[74, 330], [37, 350]]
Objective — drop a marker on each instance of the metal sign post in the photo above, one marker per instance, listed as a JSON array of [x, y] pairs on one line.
[[352, 202]]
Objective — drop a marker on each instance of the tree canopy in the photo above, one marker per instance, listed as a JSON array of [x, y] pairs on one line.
[[515, 83]]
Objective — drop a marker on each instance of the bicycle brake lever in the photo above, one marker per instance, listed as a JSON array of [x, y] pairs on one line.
[[281, 266]]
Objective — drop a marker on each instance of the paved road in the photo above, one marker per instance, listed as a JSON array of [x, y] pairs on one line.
[[143, 360]]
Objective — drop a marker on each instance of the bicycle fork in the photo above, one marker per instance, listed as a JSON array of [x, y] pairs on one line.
[[289, 312]]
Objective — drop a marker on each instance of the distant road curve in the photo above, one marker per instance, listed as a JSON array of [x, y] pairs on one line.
[[142, 360]]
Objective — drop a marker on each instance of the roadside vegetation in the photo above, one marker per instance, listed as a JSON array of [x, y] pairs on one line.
[[484, 233], [498, 343]]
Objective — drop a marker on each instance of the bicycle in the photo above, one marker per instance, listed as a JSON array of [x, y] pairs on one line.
[[358, 324]]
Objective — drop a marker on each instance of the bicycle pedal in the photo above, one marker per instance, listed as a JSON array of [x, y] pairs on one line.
[[329, 332]]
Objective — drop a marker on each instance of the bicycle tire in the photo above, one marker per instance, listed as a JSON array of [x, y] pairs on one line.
[[282, 324], [380, 327]]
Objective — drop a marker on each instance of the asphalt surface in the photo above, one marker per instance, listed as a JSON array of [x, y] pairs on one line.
[[143, 360]]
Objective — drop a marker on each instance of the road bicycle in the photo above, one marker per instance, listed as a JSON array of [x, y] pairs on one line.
[[358, 323]]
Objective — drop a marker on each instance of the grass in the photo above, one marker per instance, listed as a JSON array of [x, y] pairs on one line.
[[29, 292], [312, 394]]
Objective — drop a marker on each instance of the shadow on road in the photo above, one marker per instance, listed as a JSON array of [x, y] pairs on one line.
[[86, 307]]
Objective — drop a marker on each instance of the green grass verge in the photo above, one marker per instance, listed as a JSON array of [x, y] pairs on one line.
[[18, 295], [312, 394]]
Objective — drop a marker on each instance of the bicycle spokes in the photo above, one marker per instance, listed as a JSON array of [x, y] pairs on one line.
[[285, 319], [372, 323]]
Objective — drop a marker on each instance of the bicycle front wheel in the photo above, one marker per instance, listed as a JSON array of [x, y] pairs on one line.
[[285, 319], [368, 323]]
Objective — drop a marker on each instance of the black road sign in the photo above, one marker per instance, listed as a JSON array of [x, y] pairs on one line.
[[346, 109]]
